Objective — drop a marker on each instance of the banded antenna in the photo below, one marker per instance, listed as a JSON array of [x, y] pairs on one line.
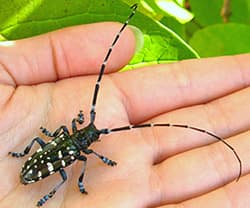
[[130, 127], [105, 61]]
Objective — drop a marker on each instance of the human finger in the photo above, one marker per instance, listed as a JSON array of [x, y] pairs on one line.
[[158, 89], [199, 171], [68, 52], [222, 117], [231, 195]]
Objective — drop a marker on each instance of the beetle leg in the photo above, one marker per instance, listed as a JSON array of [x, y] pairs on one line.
[[27, 149], [56, 132], [51, 194], [79, 119], [80, 183], [104, 159]]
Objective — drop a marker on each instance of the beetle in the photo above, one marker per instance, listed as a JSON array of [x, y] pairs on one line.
[[65, 147]]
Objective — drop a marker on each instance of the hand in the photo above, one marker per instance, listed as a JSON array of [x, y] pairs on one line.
[[46, 80]]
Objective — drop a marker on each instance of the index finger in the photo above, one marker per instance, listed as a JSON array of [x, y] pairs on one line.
[[159, 89]]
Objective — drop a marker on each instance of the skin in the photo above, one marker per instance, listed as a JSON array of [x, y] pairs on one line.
[[46, 80]]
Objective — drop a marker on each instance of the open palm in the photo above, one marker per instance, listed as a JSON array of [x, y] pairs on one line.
[[46, 80]]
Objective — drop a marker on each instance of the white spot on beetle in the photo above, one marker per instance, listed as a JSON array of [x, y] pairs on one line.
[[54, 143], [41, 156], [35, 160], [63, 163], [30, 158], [60, 154], [52, 172], [48, 158], [68, 148], [39, 150], [72, 157], [39, 174], [31, 171], [71, 152], [35, 166], [42, 161], [50, 167], [32, 181]]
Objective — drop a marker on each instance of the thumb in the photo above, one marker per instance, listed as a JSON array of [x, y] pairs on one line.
[[68, 52]]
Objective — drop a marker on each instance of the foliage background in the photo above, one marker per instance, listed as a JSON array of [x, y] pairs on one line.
[[168, 35]]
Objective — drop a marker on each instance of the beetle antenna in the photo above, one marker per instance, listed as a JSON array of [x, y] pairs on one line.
[[130, 127], [103, 66]]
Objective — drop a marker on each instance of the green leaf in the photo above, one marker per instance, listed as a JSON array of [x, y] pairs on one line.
[[20, 19], [208, 12], [222, 39]]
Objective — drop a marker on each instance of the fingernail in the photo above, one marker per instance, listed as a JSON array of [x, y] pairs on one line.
[[138, 37]]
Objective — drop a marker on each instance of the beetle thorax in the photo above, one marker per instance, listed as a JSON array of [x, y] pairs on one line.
[[86, 136]]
